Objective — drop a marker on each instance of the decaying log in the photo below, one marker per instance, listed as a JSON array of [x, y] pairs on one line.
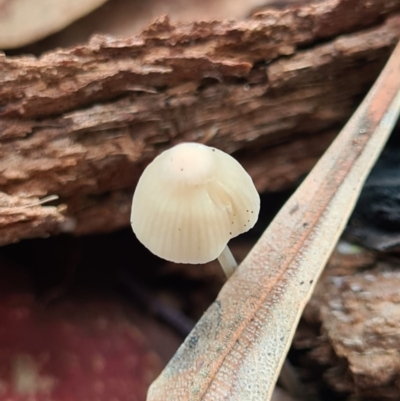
[[357, 305], [82, 123], [26, 218]]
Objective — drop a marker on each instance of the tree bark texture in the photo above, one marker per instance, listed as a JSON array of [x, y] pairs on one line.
[[82, 123], [356, 306]]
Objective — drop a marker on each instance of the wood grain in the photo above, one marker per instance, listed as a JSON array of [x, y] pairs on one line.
[[82, 123]]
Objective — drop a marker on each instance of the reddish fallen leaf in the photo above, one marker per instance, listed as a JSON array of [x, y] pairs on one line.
[[72, 351]]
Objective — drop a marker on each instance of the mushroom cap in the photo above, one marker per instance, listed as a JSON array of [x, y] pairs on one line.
[[190, 201]]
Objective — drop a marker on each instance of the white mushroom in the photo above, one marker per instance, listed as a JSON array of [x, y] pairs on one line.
[[190, 201]]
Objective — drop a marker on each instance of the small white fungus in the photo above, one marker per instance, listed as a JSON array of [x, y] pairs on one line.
[[190, 201]]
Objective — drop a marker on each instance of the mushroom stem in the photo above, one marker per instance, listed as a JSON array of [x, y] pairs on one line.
[[227, 262], [290, 381]]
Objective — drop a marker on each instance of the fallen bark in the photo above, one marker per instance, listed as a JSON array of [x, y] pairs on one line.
[[82, 123], [26, 218], [357, 306]]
